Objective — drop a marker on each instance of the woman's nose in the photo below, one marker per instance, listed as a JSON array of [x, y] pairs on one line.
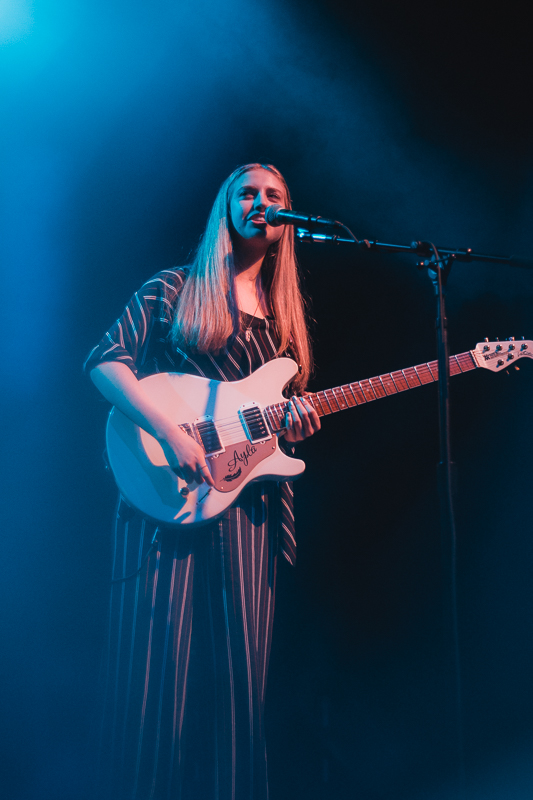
[[260, 201]]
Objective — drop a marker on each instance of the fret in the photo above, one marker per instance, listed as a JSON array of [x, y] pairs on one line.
[[320, 399], [424, 374], [270, 419], [434, 367], [348, 397], [277, 420], [388, 384], [312, 400], [399, 381], [332, 400], [466, 362], [326, 403], [411, 377], [315, 401], [455, 369], [339, 397], [280, 410], [366, 386], [377, 387], [329, 407], [357, 392], [319, 405]]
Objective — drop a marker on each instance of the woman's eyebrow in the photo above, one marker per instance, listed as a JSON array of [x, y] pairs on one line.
[[248, 187]]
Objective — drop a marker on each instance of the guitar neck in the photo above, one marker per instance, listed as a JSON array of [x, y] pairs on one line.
[[350, 395]]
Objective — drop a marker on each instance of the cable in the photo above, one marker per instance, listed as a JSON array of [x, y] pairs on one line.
[[143, 562]]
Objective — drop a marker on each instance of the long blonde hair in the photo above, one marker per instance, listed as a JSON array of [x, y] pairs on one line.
[[207, 315]]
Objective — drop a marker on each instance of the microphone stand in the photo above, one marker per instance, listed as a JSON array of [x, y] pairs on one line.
[[423, 249], [438, 262]]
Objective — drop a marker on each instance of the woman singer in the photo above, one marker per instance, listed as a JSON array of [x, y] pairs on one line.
[[190, 630]]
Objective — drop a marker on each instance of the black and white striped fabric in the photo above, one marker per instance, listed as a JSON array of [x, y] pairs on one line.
[[189, 636], [140, 338]]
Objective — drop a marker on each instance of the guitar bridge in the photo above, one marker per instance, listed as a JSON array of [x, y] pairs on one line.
[[254, 423]]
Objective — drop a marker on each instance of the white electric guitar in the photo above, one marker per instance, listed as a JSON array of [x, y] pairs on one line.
[[238, 423]]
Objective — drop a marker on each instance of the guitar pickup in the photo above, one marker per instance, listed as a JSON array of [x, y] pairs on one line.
[[254, 422], [208, 436]]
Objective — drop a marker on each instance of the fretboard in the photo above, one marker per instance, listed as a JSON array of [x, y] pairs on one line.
[[355, 394]]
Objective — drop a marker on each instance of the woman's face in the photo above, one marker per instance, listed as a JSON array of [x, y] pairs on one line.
[[250, 195]]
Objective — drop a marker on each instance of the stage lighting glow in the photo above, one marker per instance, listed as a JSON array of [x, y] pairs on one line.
[[16, 20]]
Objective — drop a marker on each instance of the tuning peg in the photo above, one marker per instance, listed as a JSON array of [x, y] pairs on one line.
[[517, 368], [486, 339], [511, 338], [497, 339]]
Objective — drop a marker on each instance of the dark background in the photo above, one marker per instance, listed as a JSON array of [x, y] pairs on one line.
[[405, 120]]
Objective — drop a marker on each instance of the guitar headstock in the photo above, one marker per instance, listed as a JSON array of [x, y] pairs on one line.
[[497, 356]]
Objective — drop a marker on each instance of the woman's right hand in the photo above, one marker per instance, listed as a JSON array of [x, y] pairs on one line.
[[185, 456], [120, 386]]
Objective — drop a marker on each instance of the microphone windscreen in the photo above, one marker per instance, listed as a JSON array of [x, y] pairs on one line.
[[270, 214]]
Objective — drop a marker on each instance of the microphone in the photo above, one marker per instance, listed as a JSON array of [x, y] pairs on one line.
[[277, 215]]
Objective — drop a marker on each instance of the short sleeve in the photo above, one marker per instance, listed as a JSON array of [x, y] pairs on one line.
[[147, 317]]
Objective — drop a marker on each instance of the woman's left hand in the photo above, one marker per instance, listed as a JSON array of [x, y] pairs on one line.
[[301, 420]]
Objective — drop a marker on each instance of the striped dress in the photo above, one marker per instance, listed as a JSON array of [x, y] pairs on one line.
[[189, 635]]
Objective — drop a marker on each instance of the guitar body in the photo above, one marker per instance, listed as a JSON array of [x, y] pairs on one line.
[[141, 470]]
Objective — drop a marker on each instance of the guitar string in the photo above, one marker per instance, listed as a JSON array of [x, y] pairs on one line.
[[227, 422], [228, 427], [283, 407], [274, 408], [224, 423]]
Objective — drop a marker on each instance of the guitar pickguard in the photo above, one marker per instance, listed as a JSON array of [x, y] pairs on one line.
[[232, 468]]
